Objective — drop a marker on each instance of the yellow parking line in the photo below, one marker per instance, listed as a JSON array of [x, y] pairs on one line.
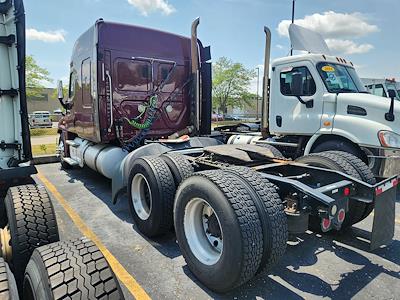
[[123, 275]]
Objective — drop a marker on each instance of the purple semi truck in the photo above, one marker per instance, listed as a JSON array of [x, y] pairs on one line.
[[138, 111]]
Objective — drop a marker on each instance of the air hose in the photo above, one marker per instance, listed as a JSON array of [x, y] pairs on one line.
[[151, 107]]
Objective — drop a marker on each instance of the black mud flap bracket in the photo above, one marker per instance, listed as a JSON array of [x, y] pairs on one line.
[[384, 213]]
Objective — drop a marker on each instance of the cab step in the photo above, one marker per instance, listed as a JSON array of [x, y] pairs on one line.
[[72, 143], [70, 161]]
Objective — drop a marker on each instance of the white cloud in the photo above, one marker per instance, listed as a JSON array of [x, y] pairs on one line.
[[333, 25], [338, 29], [46, 36], [280, 46], [149, 6], [348, 46]]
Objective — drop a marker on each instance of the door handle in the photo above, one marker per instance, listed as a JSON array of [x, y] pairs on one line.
[[111, 101]]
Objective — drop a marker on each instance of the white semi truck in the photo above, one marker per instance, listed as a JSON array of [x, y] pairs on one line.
[[317, 102]]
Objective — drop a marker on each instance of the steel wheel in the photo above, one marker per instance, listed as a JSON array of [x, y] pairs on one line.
[[203, 231], [141, 196]]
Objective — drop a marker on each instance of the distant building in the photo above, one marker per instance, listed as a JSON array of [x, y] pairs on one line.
[[248, 111], [46, 102]]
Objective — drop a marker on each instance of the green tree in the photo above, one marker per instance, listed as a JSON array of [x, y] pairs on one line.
[[35, 76], [230, 85]]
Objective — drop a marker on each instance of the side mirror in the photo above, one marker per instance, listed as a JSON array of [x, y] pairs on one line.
[[392, 94], [297, 84], [390, 115], [60, 90]]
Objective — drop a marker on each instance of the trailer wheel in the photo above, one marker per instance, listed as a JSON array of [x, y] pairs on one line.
[[32, 223], [338, 163], [70, 270], [8, 286], [179, 166], [272, 216], [364, 171], [274, 150], [151, 190], [218, 229]]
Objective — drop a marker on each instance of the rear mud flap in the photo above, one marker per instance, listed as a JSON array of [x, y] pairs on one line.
[[384, 219]]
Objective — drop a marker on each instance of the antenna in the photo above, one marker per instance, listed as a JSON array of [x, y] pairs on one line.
[[293, 10]]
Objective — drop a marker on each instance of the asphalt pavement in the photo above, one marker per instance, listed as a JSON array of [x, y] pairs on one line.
[[314, 267]]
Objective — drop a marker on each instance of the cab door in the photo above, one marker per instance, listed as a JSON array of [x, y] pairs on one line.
[[288, 115]]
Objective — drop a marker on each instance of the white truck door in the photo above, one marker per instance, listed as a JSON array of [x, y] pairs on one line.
[[287, 114]]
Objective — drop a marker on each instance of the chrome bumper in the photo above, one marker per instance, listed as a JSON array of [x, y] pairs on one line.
[[384, 163]]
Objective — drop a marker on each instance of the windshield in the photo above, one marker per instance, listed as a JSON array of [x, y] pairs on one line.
[[340, 79]]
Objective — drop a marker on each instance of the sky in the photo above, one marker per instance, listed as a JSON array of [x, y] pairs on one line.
[[363, 31]]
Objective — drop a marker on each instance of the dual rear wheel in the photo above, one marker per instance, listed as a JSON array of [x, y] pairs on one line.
[[230, 224]]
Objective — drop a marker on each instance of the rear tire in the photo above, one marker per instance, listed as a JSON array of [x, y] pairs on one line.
[[364, 171], [218, 229], [277, 154], [32, 223], [272, 216], [70, 270], [335, 162], [151, 190], [342, 146], [179, 166], [8, 286]]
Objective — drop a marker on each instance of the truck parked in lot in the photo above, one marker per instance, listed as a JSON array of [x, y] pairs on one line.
[[381, 87], [34, 264], [40, 119], [316, 102], [140, 114]]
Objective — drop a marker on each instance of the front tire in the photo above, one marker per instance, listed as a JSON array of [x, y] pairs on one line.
[[218, 229]]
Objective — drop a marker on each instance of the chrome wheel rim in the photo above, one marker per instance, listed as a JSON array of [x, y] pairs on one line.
[[141, 196], [203, 231]]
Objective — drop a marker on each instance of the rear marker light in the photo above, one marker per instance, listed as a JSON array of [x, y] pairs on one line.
[[388, 185], [341, 215], [325, 224], [346, 191], [333, 210]]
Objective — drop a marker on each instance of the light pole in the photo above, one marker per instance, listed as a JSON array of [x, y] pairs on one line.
[[258, 83]]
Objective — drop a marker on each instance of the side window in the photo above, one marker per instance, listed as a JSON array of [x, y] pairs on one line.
[[379, 90], [133, 75], [72, 85], [86, 76], [309, 87], [176, 77]]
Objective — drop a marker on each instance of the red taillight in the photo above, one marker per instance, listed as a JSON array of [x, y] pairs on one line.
[[341, 215], [325, 224], [346, 191]]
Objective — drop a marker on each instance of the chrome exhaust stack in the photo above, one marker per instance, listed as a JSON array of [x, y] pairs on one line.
[[196, 76], [266, 84]]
